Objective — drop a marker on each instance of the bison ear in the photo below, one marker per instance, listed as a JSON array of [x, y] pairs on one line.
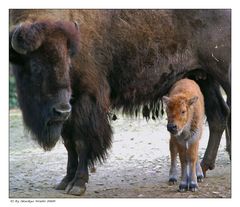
[[14, 57], [192, 100], [165, 100], [27, 37]]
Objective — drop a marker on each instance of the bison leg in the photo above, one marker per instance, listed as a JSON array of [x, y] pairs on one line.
[[90, 134], [227, 88], [228, 131], [217, 114], [78, 184], [226, 84], [71, 164]]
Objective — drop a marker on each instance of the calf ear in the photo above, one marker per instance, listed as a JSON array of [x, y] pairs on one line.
[[192, 100], [165, 100]]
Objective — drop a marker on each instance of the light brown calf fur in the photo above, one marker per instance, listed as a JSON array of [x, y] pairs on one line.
[[185, 111]]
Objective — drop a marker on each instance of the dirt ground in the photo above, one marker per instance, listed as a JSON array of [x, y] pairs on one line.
[[137, 166]]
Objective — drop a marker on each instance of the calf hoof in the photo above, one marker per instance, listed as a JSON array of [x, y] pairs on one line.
[[183, 188], [193, 187], [172, 181], [199, 178]]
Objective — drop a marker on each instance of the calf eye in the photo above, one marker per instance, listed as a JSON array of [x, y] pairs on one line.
[[183, 112]]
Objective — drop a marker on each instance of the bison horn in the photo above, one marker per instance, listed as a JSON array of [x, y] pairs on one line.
[[27, 38], [14, 41]]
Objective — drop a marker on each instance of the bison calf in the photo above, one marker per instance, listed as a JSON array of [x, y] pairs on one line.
[[185, 111]]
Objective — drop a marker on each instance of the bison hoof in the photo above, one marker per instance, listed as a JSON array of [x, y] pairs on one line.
[[63, 184], [74, 189], [172, 181], [93, 170], [199, 178], [207, 166]]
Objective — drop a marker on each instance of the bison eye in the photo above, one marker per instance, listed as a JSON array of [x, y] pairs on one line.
[[35, 67]]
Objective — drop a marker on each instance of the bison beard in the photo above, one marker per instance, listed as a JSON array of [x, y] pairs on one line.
[[90, 124], [45, 133]]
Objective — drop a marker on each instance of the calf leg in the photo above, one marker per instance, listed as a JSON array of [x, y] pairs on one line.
[[199, 172], [184, 169], [173, 169], [189, 166], [192, 156]]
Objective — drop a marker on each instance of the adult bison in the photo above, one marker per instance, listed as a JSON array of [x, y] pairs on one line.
[[73, 66]]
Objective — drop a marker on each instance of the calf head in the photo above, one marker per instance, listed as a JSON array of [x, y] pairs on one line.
[[41, 54], [179, 112]]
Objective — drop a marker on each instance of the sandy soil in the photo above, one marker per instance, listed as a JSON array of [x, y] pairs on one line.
[[137, 166]]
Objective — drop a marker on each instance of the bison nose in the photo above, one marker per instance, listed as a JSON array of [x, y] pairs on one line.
[[62, 110], [172, 128]]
